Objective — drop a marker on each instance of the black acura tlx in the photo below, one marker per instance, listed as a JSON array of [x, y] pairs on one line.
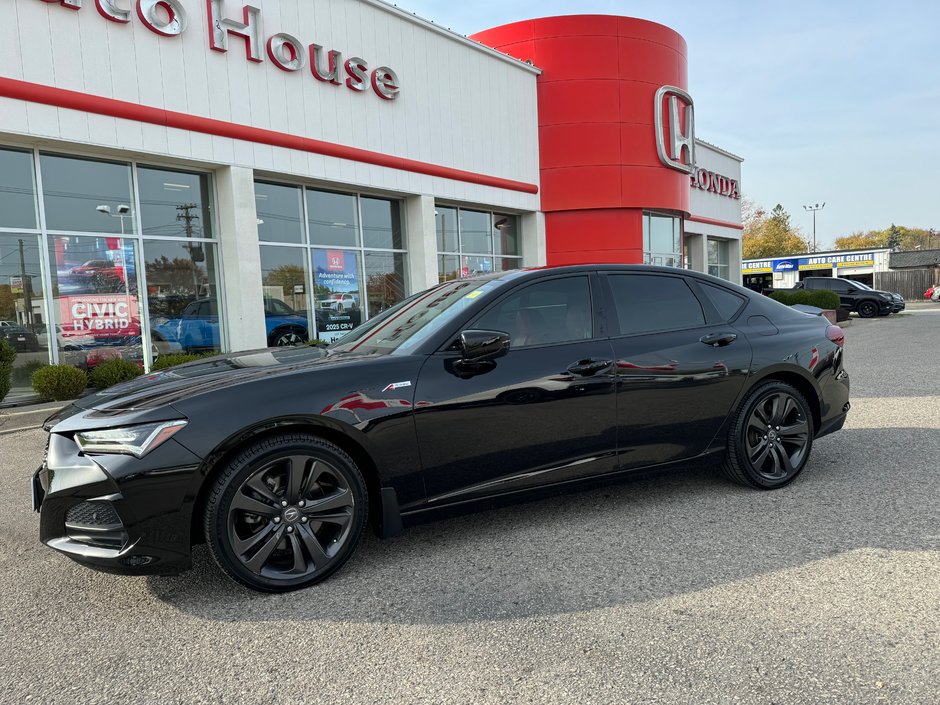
[[506, 383]]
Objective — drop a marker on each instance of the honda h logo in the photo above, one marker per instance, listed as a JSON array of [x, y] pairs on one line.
[[681, 137]]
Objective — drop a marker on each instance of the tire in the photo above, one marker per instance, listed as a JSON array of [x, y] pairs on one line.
[[270, 547], [284, 337], [868, 309], [753, 458], [339, 308]]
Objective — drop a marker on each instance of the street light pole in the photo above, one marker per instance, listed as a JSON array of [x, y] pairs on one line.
[[813, 209]]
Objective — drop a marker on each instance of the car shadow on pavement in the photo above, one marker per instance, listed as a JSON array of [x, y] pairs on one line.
[[641, 540]]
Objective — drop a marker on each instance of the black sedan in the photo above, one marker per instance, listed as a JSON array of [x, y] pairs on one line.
[[22, 339], [479, 388]]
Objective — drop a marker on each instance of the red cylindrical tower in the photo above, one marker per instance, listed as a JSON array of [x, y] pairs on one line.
[[597, 142]]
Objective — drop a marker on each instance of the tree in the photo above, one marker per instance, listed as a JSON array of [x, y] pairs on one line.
[[861, 240], [770, 235], [287, 276], [894, 238], [7, 303]]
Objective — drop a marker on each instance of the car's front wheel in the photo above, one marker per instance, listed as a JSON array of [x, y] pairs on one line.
[[285, 337], [287, 512], [867, 309], [771, 437]]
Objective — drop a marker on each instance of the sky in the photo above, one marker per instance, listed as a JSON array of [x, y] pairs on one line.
[[835, 102]]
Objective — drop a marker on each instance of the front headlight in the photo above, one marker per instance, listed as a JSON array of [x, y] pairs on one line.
[[130, 440]]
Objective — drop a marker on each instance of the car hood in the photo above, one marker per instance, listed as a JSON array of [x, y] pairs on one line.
[[151, 397]]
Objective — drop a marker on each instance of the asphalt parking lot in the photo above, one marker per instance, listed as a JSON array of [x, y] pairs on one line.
[[677, 589]]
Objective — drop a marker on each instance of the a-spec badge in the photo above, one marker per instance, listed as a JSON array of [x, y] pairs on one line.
[[396, 385]]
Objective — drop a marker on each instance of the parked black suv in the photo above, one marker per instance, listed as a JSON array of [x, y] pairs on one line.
[[853, 295]]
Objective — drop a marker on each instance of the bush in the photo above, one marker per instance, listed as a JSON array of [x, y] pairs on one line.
[[164, 361], [112, 372], [317, 343], [59, 382], [823, 299], [7, 356]]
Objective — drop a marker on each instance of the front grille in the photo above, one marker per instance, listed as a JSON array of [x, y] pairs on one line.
[[92, 514]]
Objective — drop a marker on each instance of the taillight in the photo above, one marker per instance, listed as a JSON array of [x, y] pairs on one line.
[[836, 335]]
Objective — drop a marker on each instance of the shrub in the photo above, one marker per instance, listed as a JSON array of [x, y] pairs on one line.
[[7, 356], [59, 382], [317, 343], [112, 372], [164, 361], [823, 299], [23, 375]]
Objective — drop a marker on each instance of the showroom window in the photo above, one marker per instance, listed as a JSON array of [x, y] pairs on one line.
[[662, 239], [122, 263], [473, 242], [329, 260], [718, 260]]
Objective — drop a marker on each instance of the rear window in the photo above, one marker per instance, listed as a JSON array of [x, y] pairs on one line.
[[647, 303], [725, 302]]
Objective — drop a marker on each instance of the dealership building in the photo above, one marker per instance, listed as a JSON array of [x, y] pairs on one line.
[[207, 174]]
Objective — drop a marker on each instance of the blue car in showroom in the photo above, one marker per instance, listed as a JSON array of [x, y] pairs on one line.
[[197, 328]]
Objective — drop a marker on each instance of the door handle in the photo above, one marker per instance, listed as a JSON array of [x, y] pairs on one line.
[[587, 368], [719, 340]]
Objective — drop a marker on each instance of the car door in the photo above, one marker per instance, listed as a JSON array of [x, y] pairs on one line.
[[680, 364], [542, 413]]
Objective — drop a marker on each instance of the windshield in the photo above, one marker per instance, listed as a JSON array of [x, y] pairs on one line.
[[405, 326], [861, 286]]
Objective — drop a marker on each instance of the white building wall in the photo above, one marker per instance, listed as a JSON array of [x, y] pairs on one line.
[[460, 106]]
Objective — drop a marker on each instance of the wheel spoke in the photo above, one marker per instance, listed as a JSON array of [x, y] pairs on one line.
[[776, 458], [775, 415], [341, 499], [300, 563], [317, 554], [759, 454], [795, 431], [256, 562], [788, 406], [755, 423], [252, 505], [242, 546], [761, 413], [316, 471], [784, 460], [256, 483], [296, 466]]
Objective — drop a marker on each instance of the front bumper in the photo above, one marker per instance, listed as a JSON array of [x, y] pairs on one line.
[[899, 306], [117, 513]]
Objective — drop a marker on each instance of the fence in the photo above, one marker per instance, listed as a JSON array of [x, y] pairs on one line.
[[909, 283]]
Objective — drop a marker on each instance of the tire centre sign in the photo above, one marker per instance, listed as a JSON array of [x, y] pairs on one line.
[[170, 18]]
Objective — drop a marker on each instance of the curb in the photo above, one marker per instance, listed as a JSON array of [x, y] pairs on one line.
[[28, 419]]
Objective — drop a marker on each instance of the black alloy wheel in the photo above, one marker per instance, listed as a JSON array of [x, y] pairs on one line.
[[286, 513], [867, 309], [771, 438], [287, 337]]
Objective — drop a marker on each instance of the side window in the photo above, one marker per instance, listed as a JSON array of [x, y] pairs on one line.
[[554, 311], [838, 286], [647, 303], [725, 302]]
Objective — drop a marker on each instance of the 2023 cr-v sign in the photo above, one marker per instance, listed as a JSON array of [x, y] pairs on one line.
[[170, 18]]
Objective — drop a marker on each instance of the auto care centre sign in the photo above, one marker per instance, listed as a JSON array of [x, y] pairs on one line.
[[229, 25]]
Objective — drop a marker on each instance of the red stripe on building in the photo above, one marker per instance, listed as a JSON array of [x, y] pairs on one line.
[[85, 102]]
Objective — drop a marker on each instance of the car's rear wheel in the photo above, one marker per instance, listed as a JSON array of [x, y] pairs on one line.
[[771, 438], [284, 337], [867, 309], [286, 512]]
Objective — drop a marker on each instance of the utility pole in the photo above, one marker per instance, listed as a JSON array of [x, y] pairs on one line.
[[813, 209], [27, 289], [187, 217]]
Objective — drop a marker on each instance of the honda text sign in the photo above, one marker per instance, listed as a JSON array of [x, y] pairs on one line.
[[674, 121]]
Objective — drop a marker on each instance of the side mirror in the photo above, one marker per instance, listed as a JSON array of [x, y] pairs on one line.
[[483, 345]]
